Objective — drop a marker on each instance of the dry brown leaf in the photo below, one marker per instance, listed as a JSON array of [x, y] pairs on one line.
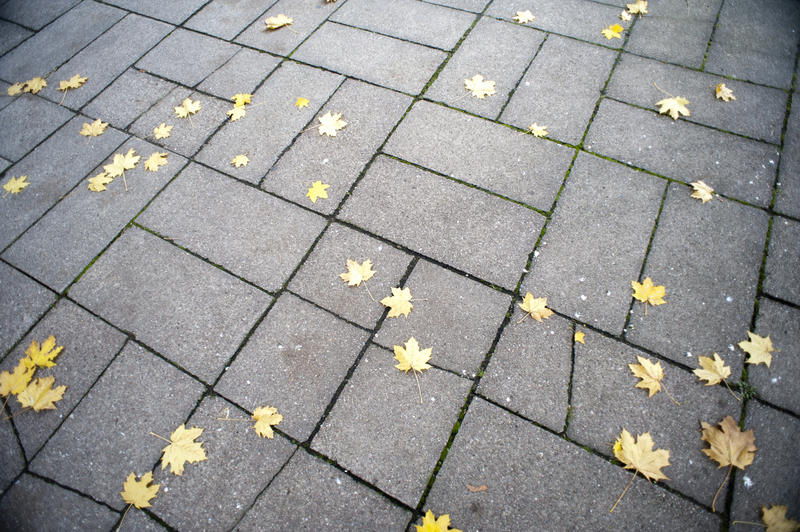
[[640, 456], [775, 519], [477, 489], [728, 446]]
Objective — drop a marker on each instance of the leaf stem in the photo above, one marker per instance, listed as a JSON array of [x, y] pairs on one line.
[[123, 515], [669, 394], [732, 392], [662, 90], [62, 98], [523, 318], [630, 482], [460, 97], [762, 525], [124, 181], [713, 503], [368, 292], [162, 437], [15, 413], [419, 390], [232, 419]]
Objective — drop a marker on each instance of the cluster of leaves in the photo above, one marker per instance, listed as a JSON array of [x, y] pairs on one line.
[[39, 394]]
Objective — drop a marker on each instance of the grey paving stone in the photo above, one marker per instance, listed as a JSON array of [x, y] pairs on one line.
[[584, 265], [788, 198], [4, 164], [294, 361], [405, 441], [561, 88], [308, 495], [50, 177], [213, 215], [476, 6], [709, 263], [191, 312], [23, 301], [602, 407], [370, 112], [236, 454], [10, 454], [242, 73], [307, 15], [107, 436], [32, 120], [173, 12], [533, 476], [274, 123], [575, 18], [512, 49], [89, 345], [138, 90], [187, 134], [482, 153], [454, 315], [187, 57], [529, 371], [35, 14], [756, 44], [772, 477], [58, 247], [757, 111], [11, 35], [418, 22], [782, 277], [226, 18], [476, 232], [5, 99], [673, 33], [742, 168], [371, 57], [58, 42], [104, 59], [318, 280], [139, 521], [778, 384]]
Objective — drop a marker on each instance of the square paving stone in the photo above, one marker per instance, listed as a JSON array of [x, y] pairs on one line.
[[53, 168], [187, 57], [476, 6], [238, 459], [370, 112], [35, 14], [742, 168], [367, 56], [504, 62], [405, 437], [529, 371], [788, 197], [757, 112], [476, 232], [778, 383], [108, 435], [190, 311], [673, 33], [65, 240], [585, 265], [11, 35], [89, 345], [772, 477], [482, 153], [533, 476], [30, 120], [175, 11], [456, 316], [561, 88], [33, 504], [307, 15], [308, 495], [318, 280], [782, 277], [418, 22], [138, 90], [213, 215], [709, 262], [187, 134], [756, 44], [226, 18], [605, 400], [272, 121], [23, 301], [10, 454], [241, 74], [49, 48], [294, 361]]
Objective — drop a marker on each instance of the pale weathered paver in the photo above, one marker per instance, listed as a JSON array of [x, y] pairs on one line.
[[782, 280], [23, 301], [138, 90]]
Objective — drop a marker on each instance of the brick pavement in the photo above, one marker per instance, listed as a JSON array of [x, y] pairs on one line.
[[204, 290]]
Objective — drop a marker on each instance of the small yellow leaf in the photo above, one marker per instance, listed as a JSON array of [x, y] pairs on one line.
[[241, 99], [357, 273], [649, 373], [187, 107], [776, 521], [536, 307], [236, 113], [537, 130], [625, 15], [94, 129], [410, 357], [265, 417], [639, 455], [14, 383], [579, 337], [155, 161], [122, 163], [758, 348], [317, 190], [42, 355], [240, 160], [40, 394], [724, 93], [331, 123], [638, 8], [523, 17], [98, 183], [648, 293], [713, 370], [399, 302], [34, 85], [182, 449], [301, 102], [15, 185], [137, 492], [479, 87], [674, 107], [72, 83], [702, 191], [162, 131], [15, 89], [431, 524], [273, 23], [613, 32]]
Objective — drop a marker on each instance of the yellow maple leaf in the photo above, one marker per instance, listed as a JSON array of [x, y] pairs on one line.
[[357, 273], [432, 524], [537, 130], [236, 113], [649, 373], [536, 307], [479, 87], [98, 183], [162, 131], [647, 292], [637, 8], [330, 124], [674, 107], [137, 492], [187, 107], [155, 161], [14, 383], [15, 185], [15, 89], [265, 417], [122, 163], [34, 85], [625, 15], [399, 302], [640, 456], [240, 99], [523, 17], [724, 93], [775, 519], [712, 370], [613, 32], [42, 355], [579, 337], [728, 447], [240, 160], [317, 190], [182, 449], [94, 129], [40, 394], [409, 356], [301, 102], [702, 191], [273, 23], [72, 83], [759, 349]]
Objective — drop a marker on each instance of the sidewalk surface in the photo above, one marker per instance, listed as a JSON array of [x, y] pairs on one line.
[[196, 293]]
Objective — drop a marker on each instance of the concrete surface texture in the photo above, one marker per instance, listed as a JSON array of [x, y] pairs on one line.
[[196, 293]]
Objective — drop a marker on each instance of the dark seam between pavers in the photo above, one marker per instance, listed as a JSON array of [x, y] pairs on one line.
[[521, 77]]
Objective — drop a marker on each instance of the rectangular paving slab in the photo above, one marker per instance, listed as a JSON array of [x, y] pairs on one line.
[[781, 280], [189, 311], [31, 120], [241, 74], [476, 232], [226, 18], [788, 197], [23, 301], [138, 90], [11, 455], [534, 476], [482, 153], [584, 266], [405, 437], [175, 11], [35, 14], [476, 6], [11, 35]]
